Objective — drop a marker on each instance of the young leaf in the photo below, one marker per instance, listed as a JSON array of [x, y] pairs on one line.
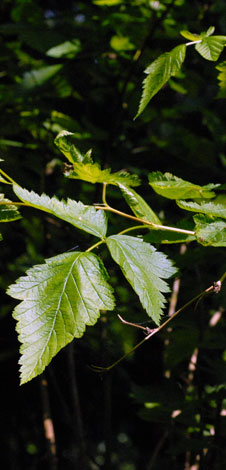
[[172, 187], [217, 207], [85, 169], [60, 298], [211, 47], [68, 49], [138, 205], [8, 212], [92, 173], [190, 36], [159, 72], [210, 230], [86, 218], [144, 268], [65, 142]]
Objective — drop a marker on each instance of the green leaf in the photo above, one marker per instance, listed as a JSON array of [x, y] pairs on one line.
[[144, 268], [60, 298], [216, 207], [210, 30], [68, 49], [138, 205], [92, 173], [159, 72], [121, 43], [172, 187], [190, 36], [222, 79], [210, 230], [8, 212], [38, 77], [107, 3], [85, 218], [211, 47], [85, 169], [1, 237]]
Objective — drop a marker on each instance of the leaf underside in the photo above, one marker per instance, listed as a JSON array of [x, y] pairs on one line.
[[59, 298], [86, 218], [144, 268]]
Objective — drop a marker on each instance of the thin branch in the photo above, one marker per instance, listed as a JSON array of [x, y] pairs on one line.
[[156, 330], [143, 221]]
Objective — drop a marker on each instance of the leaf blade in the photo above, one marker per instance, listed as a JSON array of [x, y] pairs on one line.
[[138, 205], [159, 72], [8, 212], [172, 187], [210, 231], [85, 218], [216, 207], [210, 47], [59, 299], [144, 268]]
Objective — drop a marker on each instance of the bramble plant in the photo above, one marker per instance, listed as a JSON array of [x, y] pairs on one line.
[[67, 293]]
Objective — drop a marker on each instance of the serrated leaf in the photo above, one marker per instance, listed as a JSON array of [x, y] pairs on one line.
[[92, 173], [222, 79], [190, 36], [210, 230], [159, 72], [59, 298], [216, 207], [144, 268], [8, 212], [172, 187], [138, 205], [65, 141], [211, 47], [86, 218]]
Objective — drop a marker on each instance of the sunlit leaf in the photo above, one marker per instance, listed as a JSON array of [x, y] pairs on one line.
[[108, 3], [210, 230], [216, 207], [86, 218], [8, 212], [190, 36], [211, 47], [138, 205], [36, 78], [159, 72], [59, 298], [144, 268], [65, 141], [172, 187], [121, 43], [68, 49], [92, 173]]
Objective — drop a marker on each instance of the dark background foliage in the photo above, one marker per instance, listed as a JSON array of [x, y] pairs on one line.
[[165, 406]]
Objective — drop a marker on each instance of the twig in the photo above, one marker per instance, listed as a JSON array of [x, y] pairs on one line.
[[156, 330]]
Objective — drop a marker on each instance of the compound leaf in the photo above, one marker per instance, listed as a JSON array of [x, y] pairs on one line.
[[210, 230], [8, 212], [65, 142], [172, 187], [59, 298], [211, 47], [216, 207], [144, 268], [159, 72], [138, 205], [86, 218]]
